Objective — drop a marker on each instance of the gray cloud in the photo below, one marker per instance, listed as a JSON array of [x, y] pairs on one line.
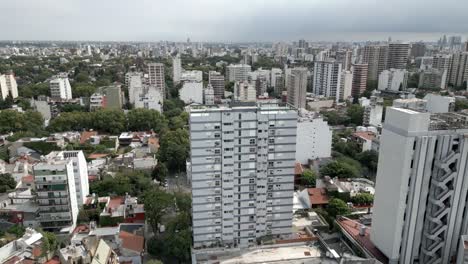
[[231, 20]]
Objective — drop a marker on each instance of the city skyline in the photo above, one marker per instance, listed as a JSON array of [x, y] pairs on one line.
[[232, 21]]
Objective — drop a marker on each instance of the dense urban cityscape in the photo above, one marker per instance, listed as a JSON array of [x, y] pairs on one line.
[[198, 151]]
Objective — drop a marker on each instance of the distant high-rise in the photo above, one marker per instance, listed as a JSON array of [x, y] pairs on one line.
[[176, 68], [420, 207], [156, 76], [431, 79], [327, 79], [393, 80], [134, 84], [245, 92], [465, 46], [208, 95], [216, 80], [346, 85], [297, 87], [237, 72], [454, 41], [241, 168], [397, 55], [376, 58], [8, 86], [60, 88], [302, 43], [360, 73], [418, 49], [458, 71]]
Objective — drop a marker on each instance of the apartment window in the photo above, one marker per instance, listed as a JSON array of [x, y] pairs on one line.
[[271, 141], [217, 151], [252, 141], [251, 181], [217, 199], [217, 127], [227, 124], [217, 135], [252, 150], [251, 196]]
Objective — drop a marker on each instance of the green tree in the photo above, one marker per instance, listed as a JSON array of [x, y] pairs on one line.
[[83, 89], [160, 172], [154, 261], [183, 202], [157, 203], [174, 149], [111, 121], [145, 120], [363, 199], [82, 77], [334, 118], [42, 147], [369, 158], [7, 182], [16, 230], [309, 177], [355, 113], [49, 242], [340, 170], [337, 207]]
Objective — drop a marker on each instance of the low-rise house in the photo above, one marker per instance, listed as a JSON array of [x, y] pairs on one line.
[[27, 249], [122, 209], [314, 197], [364, 139], [19, 207]]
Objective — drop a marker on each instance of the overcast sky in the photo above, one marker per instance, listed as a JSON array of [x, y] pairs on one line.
[[232, 20]]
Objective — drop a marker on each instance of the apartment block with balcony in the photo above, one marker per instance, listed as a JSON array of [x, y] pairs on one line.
[[56, 195], [242, 173]]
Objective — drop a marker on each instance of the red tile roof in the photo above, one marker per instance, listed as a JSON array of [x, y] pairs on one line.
[[131, 241], [367, 135], [298, 169], [92, 177], [97, 155], [318, 196], [115, 202], [352, 228], [27, 179], [81, 229], [87, 135]]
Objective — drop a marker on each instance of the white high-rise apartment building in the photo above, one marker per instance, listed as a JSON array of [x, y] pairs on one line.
[[297, 87], [60, 88], [156, 76], [373, 111], [176, 68], [346, 85], [208, 95], [245, 92], [8, 86], [314, 137], [242, 166], [135, 85], [419, 212], [80, 171], [191, 92], [327, 79], [238, 72], [275, 72], [150, 98], [393, 80], [55, 188]]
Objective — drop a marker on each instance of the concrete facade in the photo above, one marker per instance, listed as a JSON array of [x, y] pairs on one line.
[[419, 208], [242, 173]]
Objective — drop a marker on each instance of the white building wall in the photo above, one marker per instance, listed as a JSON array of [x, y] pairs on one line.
[[346, 85], [392, 80], [439, 104], [191, 92], [314, 139], [242, 162], [60, 88], [176, 68]]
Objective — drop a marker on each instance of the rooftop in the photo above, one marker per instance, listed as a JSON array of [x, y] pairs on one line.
[[352, 228], [132, 242], [318, 196]]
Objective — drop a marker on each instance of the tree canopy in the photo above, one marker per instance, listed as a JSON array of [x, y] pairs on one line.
[[309, 178], [337, 207]]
